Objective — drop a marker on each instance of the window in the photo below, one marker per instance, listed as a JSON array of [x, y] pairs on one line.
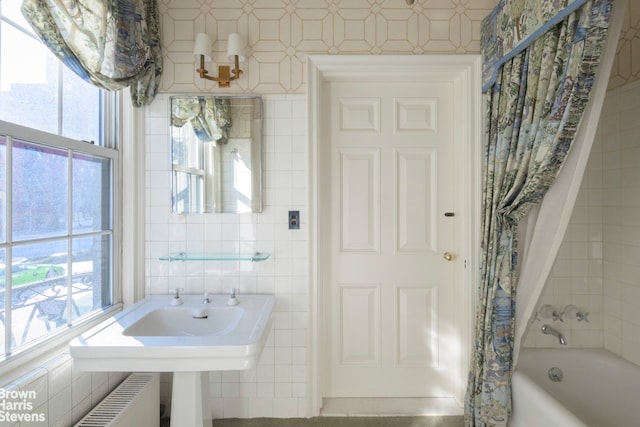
[[58, 168]]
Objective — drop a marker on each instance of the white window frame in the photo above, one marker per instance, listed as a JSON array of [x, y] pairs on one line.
[[113, 136], [128, 258]]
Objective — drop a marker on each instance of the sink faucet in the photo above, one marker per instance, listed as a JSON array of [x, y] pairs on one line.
[[548, 330], [205, 299]]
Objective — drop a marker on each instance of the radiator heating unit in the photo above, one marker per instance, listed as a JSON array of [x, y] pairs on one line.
[[134, 403]]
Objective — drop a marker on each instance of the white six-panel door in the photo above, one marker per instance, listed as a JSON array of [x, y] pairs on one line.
[[389, 298]]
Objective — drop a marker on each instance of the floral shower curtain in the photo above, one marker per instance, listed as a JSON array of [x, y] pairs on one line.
[[540, 61], [112, 44]]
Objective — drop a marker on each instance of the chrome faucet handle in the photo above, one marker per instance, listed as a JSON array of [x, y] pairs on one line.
[[547, 311], [176, 296], [574, 312], [571, 311], [205, 298], [557, 315], [233, 300], [583, 316]]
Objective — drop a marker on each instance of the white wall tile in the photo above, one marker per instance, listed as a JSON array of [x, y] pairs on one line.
[[254, 392], [604, 233]]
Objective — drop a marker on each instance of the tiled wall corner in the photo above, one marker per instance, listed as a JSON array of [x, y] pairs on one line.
[[61, 395], [576, 276], [621, 221], [599, 262], [277, 387]]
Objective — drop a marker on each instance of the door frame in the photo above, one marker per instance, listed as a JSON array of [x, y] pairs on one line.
[[468, 130]]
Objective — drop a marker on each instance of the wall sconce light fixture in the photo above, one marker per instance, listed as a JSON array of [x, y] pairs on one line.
[[235, 53]]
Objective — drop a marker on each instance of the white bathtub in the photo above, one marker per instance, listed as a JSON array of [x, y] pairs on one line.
[[599, 389]]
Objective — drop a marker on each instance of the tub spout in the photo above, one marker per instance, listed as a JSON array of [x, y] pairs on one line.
[[548, 330]]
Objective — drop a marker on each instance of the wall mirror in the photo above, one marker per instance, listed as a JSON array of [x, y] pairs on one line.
[[216, 153]]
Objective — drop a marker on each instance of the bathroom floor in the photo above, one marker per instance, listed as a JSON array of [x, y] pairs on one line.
[[450, 421]]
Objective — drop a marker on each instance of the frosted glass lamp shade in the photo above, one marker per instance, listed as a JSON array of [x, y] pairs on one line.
[[202, 46], [235, 47]]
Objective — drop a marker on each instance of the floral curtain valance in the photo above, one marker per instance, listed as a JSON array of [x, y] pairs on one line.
[[513, 25], [112, 44], [209, 117]]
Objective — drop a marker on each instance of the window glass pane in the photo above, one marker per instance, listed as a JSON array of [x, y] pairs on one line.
[[81, 109], [11, 10], [189, 195], [28, 82], [91, 274], [2, 299], [91, 194], [3, 189], [186, 147], [39, 192], [39, 290]]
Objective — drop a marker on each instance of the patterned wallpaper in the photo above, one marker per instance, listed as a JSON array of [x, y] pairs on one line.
[[626, 68], [281, 33]]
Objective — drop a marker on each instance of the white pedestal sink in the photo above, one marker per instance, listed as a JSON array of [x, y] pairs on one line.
[[189, 340]]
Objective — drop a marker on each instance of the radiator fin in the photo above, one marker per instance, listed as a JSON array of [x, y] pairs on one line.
[[110, 411]]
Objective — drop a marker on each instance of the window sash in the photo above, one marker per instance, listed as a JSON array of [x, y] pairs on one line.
[[106, 147], [73, 149]]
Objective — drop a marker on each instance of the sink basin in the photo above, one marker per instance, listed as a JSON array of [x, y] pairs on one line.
[[178, 321], [154, 336], [188, 340]]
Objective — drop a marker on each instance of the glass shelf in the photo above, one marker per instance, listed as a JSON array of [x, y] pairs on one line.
[[195, 256]]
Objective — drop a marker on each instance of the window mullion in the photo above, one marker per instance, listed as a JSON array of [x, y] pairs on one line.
[[69, 236], [1, 25], [60, 97]]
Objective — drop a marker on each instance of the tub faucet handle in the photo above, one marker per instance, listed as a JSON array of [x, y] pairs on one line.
[[571, 311], [205, 298], [583, 316], [547, 311], [574, 312], [557, 315]]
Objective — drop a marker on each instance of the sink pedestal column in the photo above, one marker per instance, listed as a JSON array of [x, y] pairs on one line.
[[190, 404]]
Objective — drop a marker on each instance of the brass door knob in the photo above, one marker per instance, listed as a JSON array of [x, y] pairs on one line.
[[448, 256]]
